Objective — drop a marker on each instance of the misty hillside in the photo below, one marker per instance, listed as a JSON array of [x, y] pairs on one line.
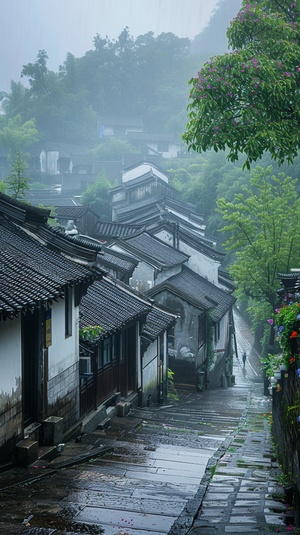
[[145, 77], [212, 40]]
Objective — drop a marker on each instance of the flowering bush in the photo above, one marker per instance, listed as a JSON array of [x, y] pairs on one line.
[[287, 328], [248, 100]]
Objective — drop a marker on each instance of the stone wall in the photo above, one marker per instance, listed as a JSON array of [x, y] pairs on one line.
[[63, 396], [11, 427], [286, 426]]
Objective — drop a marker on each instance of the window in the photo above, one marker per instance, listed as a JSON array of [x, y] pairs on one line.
[[68, 312], [201, 330], [85, 366], [171, 337], [114, 346], [122, 345], [107, 351], [217, 331], [161, 347]]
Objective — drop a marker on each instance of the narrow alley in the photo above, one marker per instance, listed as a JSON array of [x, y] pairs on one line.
[[146, 473]]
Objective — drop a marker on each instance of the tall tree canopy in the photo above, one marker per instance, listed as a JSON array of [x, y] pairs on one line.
[[249, 100], [263, 228], [144, 77]]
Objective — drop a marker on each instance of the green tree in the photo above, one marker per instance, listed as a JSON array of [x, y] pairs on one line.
[[17, 135], [113, 148], [97, 197], [262, 224], [249, 100], [37, 73], [16, 182]]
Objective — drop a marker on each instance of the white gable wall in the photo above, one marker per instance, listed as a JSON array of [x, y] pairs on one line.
[[198, 262], [141, 170]]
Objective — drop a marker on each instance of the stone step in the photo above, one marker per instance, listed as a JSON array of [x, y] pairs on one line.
[[104, 424], [27, 451]]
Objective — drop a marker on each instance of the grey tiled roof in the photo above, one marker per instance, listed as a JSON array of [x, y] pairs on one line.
[[31, 273], [157, 321], [48, 198], [105, 230], [111, 305], [110, 259], [153, 250], [197, 291], [73, 212]]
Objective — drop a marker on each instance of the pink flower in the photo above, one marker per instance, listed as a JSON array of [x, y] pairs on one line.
[[270, 321]]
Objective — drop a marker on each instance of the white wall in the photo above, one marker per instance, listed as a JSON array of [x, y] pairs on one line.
[[64, 352], [10, 361], [167, 273], [221, 344], [149, 366], [198, 262], [49, 162]]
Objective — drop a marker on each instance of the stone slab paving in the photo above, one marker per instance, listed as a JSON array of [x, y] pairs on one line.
[[243, 495]]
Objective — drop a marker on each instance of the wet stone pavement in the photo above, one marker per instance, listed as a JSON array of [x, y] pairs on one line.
[[202, 464]]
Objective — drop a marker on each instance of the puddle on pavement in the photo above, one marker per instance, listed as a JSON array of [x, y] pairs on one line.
[[45, 524]]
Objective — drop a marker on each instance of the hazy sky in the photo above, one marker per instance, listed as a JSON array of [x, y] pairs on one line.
[[61, 26]]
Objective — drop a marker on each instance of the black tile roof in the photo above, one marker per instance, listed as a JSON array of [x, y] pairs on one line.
[[141, 217], [74, 211], [157, 321], [198, 292], [111, 305], [48, 198], [31, 273], [23, 213], [195, 240], [152, 250], [105, 230], [110, 259], [35, 219], [161, 206], [290, 282]]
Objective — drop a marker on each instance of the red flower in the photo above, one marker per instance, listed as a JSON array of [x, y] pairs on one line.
[[294, 334]]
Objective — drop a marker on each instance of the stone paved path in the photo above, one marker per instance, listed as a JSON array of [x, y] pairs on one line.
[[203, 465], [243, 496]]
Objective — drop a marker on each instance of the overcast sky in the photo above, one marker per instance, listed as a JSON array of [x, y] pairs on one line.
[[61, 26]]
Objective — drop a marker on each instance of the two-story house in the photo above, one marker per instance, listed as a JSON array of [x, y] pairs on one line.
[[43, 276]]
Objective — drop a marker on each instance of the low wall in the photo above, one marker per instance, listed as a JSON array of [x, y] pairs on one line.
[[286, 427]]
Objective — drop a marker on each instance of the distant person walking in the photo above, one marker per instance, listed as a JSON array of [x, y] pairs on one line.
[[244, 357]]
